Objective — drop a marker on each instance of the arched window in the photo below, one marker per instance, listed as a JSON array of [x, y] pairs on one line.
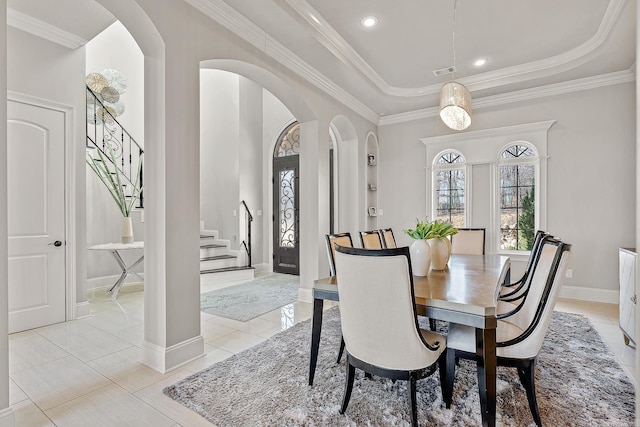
[[449, 185], [289, 142], [518, 170]]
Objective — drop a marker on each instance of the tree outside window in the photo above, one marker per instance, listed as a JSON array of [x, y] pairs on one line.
[[449, 188]]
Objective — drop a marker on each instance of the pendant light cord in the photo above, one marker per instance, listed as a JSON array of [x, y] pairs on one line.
[[453, 74]]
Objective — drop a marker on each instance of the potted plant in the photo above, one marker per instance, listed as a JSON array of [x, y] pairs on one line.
[[440, 243], [419, 250], [107, 170]]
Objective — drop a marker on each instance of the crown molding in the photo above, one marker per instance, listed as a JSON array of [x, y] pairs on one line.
[[44, 30], [239, 25], [572, 58], [496, 132], [618, 77]]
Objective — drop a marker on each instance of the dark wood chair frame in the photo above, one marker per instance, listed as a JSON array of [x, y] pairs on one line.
[[525, 367], [332, 261], [411, 375], [384, 241], [519, 285], [484, 236]]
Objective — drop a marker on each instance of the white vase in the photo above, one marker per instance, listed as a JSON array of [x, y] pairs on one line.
[[439, 253], [420, 257], [127, 230]]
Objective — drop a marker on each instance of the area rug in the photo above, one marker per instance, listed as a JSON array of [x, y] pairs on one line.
[[578, 380], [248, 300]]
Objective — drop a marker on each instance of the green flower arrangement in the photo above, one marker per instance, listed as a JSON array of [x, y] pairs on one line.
[[426, 229]]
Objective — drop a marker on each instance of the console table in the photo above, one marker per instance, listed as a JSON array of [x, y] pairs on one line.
[[114, 249]]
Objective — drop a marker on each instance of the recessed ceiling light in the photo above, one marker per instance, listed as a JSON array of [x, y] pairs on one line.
[[369, 21], [480, 62]]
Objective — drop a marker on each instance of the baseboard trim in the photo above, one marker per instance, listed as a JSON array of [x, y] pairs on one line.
[[7, 418], [109, 281], [168, 359], [262, 268], [83, 309], [590, 294], [305, 295]]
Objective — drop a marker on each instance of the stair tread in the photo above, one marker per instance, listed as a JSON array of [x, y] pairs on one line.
[[219, 270], [212, 245], [207, 236], [216, 257]]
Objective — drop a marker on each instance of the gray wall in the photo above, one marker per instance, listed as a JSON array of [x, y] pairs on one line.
[[591, 170]]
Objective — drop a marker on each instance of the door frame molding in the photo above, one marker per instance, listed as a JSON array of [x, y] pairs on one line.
[[70, 187]]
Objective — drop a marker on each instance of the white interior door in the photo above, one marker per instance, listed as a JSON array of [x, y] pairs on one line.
[[36, 216]]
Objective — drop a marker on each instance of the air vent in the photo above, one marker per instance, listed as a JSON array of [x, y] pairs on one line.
[[443, 71]]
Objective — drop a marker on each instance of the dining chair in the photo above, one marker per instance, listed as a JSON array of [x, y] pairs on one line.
[[371, 239], [520, 333], [388, 239], [513, 291], [468, 241], [379, 322], [342, 239]]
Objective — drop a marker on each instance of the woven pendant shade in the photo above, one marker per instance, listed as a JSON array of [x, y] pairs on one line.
[[455, 106]]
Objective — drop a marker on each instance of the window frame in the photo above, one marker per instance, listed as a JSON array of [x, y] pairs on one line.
[[436, 167], [513, 161]]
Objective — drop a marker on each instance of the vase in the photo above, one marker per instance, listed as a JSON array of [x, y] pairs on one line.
[[127, 230], [439, 253], [420, 254]]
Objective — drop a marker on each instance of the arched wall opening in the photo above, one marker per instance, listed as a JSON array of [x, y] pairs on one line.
[[348, 175]]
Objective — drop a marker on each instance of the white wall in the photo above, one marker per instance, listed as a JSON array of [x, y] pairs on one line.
[[29, 58], [219, 152], [591, 167]]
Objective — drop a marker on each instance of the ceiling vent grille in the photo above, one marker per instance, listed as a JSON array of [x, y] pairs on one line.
[[443, 71]]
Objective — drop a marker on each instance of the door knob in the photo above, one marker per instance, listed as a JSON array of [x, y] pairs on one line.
[[56, 243]]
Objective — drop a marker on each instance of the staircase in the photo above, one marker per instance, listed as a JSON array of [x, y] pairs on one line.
[[219, 263]]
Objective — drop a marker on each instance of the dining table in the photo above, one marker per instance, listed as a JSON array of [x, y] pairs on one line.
[[465, 292]]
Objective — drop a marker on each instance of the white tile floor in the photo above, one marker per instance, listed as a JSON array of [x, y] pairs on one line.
[[86, 372]]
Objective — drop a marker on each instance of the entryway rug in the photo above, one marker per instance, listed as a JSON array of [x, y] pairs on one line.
[[578, 380], [248, 300]]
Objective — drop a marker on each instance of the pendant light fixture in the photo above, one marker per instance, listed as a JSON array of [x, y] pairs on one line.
[[455, 99]]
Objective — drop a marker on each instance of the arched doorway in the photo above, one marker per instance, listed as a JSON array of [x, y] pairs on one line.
[[286, 219]]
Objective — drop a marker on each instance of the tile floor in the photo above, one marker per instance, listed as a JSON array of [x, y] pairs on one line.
[[86, 372]]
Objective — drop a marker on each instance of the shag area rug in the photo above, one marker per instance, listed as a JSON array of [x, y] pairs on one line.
[[248, 300], [578, 383]]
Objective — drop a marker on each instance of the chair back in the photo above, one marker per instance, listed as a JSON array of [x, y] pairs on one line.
[[468, 241], [535, 310], [513, 292], [388, 239], [371, 239], [342, 239], [377, 309]]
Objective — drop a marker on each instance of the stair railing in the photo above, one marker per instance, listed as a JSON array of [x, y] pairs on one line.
[[247, 243], [104, 131]]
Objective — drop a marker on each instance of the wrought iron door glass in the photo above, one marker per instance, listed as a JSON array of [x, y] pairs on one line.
[[287, 204]]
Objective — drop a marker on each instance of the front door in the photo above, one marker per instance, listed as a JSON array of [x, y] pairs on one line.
[[36, 215], [286, 231], [286, 252]]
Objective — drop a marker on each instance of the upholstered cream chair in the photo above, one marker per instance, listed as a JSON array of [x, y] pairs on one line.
[[388, 239], [371, 239], [379, 323], [468, 241], [520, 333]]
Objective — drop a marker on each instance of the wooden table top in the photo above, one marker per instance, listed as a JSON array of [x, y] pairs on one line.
[[470, 284]]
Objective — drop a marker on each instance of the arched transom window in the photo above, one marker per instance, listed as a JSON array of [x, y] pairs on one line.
[[449, 188], [518, 168], [289, 142]]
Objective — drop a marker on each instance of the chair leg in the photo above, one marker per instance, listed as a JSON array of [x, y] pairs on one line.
[[412, 400], [341, 349], [528, 380], [432, 324], [442, 369], [449, 377], [351, 372]]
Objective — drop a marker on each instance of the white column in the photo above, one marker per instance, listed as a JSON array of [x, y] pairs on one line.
[[172, 209], [7, 418]]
